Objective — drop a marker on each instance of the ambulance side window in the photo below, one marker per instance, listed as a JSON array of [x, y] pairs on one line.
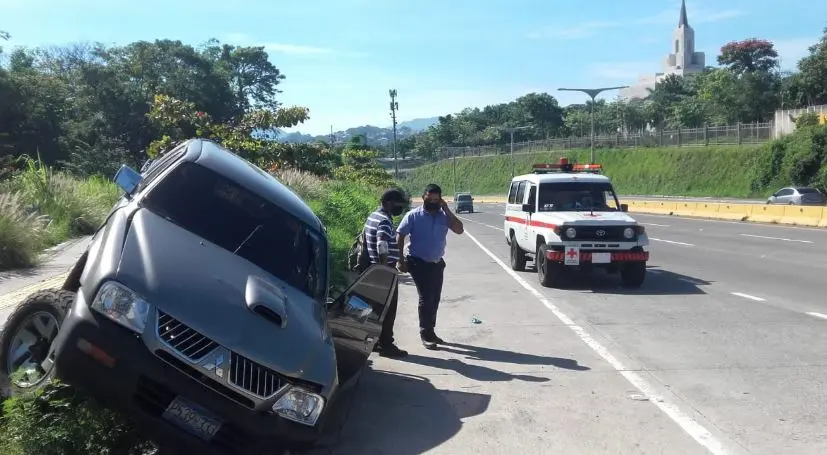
[[512, 193], [521, 192], [532, 196]]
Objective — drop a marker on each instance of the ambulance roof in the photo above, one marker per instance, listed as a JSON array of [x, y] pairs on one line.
[[563, 177]]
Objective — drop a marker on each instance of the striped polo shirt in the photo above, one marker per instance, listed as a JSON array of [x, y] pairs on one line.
[[379, 227]]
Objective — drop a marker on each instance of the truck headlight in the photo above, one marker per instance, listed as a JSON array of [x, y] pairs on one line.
[[629, 232], [571, 233], [122, 305], [300, 406]]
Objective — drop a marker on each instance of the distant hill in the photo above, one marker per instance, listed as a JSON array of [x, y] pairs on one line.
[[374, 134]]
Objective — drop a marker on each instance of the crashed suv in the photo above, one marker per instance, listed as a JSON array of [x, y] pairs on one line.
[[201, 309]]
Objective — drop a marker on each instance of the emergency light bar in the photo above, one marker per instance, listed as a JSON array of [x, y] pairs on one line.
[[565, 166]]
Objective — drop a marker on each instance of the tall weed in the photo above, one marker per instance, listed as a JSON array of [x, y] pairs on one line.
[[21, 233]]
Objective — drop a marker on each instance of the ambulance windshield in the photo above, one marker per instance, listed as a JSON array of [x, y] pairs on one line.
[[577, 197]]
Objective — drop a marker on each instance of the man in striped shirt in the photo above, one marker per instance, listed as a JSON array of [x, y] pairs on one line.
[[380, 239]]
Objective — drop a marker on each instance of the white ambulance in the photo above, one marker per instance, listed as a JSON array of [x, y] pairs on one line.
[[567, 216]]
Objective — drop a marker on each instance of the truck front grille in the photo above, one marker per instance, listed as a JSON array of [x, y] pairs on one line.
[[610, 233], [183, 339], [254, 378]]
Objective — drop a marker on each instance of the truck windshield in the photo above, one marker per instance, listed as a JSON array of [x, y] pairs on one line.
[[576, 197], [464, 197], [243, 223]]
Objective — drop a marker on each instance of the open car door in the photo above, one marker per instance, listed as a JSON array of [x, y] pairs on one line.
[[356, 316]]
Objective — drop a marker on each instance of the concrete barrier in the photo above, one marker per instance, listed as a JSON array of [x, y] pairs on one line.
[[780, 214]]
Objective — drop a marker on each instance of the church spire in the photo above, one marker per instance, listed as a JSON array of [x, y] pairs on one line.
[[684, 22]]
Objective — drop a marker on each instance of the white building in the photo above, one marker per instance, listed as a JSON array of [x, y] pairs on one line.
[[682, 60]]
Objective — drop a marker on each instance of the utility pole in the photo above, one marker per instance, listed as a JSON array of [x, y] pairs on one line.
[[592, 92], [511, 131], [332, 139], [394, 108]]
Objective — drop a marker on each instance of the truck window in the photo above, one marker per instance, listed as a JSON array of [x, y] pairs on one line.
[[224, 213], [532, 196], [576, 196], [512, 193], [520, 193]]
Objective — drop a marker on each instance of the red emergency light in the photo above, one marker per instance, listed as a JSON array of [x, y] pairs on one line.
[[565, 166]]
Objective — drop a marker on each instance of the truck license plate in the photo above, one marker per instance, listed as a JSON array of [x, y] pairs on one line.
[[192, 418], [601, 258]]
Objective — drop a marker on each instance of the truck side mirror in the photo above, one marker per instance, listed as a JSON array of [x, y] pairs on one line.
[[528, 208], [624, 207]]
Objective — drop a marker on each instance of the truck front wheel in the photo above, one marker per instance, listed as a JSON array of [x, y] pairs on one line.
[[548, 273], [633, 274]]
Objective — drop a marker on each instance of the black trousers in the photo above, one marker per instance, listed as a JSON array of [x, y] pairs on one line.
[[386, 337], [428, 277]]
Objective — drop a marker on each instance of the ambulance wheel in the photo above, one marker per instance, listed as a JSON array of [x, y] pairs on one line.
[[633, 274], [518, 258], [548, 273]]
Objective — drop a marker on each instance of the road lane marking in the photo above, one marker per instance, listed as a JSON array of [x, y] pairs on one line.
[[13, 298], [747, 296], [671, 241], [481, 224], [691, 426], [654, 224], [776, 238], [742, 223], [818, 315]]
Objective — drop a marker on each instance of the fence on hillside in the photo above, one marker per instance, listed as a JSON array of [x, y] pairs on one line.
[[742, 133]]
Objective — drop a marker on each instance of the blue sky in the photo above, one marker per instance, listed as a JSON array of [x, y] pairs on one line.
[[341, 56]]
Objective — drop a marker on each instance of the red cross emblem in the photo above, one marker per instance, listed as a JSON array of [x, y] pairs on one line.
[[571, 254]]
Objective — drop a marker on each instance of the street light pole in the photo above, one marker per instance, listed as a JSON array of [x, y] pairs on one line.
[[394, 108], [511, 131], [592, 92]]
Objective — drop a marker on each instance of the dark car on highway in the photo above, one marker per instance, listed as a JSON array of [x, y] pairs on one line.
[[463, 202], [201, 308]]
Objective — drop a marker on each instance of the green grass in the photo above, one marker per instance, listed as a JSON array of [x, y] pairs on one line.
[[56, 421], [40, 208], [726, 171]]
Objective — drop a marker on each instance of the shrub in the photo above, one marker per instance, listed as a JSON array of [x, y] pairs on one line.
[[21, 233]]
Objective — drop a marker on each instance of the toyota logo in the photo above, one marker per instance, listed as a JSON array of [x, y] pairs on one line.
[[600, 232]]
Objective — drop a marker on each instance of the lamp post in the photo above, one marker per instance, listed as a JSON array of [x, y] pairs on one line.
[[511, 131], [592, 92], [394, 108]]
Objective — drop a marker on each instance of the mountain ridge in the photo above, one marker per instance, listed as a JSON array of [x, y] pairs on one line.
[[375, 135]]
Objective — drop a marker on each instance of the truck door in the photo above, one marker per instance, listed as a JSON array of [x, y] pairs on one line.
[[521, 219], [529, 229]]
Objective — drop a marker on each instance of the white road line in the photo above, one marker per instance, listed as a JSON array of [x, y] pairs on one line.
[[697, 431], [776, 238], [818, 315], [747, 296], [481, 224], [654, 224], [671, 241], [742, 223]]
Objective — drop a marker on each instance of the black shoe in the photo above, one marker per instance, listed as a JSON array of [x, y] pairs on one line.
[[392, 351], [437, 339], [429, 341]]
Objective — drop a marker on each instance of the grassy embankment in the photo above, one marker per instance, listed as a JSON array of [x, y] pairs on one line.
[[709, 171], [56, 421]]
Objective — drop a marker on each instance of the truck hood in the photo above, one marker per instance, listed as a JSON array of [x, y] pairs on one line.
[[207, 288], [588, 218]]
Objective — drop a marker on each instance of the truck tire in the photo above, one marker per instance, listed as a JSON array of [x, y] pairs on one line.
[[633, 274], [518, 258], [548, 273], [27, 337]]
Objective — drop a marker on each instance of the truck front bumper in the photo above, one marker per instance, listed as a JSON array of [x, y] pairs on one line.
[[597, 258], [113, 365]]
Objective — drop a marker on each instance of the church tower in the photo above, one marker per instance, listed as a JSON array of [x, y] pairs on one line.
[[683, 59]]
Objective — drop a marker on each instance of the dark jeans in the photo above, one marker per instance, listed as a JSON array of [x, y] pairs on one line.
[[428, 277], [386, 338]]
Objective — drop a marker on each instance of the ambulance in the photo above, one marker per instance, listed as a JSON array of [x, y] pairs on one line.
[[568, 219]]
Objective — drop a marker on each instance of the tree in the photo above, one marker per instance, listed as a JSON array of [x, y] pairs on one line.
[[813, 73], [749, 55]]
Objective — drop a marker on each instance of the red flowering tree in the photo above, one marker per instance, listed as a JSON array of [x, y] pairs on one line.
[[749, 56]]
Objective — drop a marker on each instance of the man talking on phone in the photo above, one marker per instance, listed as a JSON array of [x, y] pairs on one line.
[[427, 227]]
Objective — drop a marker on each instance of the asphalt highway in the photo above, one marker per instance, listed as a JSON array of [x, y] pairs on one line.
[[723, 350]]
